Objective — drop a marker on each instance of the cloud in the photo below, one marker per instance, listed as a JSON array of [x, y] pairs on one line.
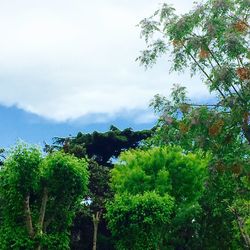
[[66, 59]]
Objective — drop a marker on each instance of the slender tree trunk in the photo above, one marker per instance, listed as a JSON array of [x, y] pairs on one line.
[[244, 235], [42, 213], [96, 219], [43, 209], [28, 217]]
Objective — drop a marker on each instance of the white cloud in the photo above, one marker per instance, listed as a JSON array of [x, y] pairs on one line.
[[69, 58]]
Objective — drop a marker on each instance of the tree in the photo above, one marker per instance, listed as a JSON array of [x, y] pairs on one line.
[[101, 148], [195, 127], [213, 40], [89, 218], [165, 171], [139, 221], [41, 195]]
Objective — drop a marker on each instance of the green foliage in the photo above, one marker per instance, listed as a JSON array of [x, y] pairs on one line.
[[212, 129], [18, 178], [139, 221], [165, 171], [213, 40], [102, 147], [40, 197], [65, 175], [194, 127], [15, 172]]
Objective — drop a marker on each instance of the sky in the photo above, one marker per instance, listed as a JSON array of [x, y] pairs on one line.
[[69, 66]]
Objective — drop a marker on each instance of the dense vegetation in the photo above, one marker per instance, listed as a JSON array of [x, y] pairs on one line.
[[100, 150], [157, 192], [39, 198], [185, 184]]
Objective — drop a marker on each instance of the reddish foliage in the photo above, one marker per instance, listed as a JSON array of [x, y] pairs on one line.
[[243, 73], [215, 129], [203, 54], [183, 128], [237, 169], [220, 167], [241, 26]]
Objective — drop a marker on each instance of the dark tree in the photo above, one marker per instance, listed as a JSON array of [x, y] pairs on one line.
[[101, 148]]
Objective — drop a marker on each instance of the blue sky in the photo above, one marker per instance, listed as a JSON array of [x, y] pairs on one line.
[[17, 124], [67, 66]]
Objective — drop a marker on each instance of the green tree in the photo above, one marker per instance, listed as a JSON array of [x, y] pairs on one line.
[[165, 171], [89, 219], [213, 40], [210, 128], [40, 197], [102, 148], [195, 127], [139, 221]]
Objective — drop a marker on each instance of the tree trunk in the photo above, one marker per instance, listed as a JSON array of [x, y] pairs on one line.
[[43, 209], [240, 223], [96, 219], [42, 213], [28, 218], [244, 235]]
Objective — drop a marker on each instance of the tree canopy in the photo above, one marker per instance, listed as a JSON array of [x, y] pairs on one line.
[[100, 149], [175, 178], [212, 40], [40, 196], [102, 146]]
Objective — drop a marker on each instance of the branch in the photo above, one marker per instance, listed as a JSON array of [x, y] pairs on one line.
[[206, 105], [216, 60], [204, 72]]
